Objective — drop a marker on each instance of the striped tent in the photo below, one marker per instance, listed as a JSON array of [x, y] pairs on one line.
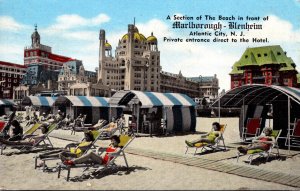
[[39, 101], [6, 102], [83, 101], [178, 109], [151, 99]]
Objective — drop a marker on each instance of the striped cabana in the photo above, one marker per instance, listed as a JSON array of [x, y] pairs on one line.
[[94, 107], [280, 103], [178, 110], [38, 101]]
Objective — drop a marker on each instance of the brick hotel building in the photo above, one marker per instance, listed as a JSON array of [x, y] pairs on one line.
[[11, 75]]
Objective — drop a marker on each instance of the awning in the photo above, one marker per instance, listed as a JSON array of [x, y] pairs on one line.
[[257, 94], [6, 102], [150, 99], [38, 101], [82, 101]]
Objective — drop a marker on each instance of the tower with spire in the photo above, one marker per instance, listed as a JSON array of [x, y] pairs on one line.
[[35, 38]]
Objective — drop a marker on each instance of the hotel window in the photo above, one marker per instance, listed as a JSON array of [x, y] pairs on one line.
[[9, 75]]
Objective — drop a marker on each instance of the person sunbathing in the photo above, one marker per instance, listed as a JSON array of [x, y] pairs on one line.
[[28, 141], [93, 157], [206, 138], [262, 142], [72, 150]]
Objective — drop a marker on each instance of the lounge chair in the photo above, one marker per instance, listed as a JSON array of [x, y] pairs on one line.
[[41, 142], [294, 134], [251, 130], [219, 143], [125, 140], [263, 153], [31, 130], [73, 148]]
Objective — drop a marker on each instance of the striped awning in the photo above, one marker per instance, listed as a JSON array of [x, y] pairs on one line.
[[83, 101], [38, 101], [151, 99], [6, 102]]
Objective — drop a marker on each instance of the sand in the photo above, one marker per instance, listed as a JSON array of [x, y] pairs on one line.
[[17, 171]]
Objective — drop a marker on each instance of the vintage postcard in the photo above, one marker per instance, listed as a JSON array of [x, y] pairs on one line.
[[149, 95]]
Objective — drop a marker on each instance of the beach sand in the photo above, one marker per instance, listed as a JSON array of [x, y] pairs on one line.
[[17, 171]]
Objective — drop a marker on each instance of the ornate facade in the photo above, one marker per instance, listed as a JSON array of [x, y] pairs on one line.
[[265, 65], [136, 66]]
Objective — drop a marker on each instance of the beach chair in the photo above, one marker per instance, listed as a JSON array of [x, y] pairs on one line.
[[41, 142], [294, 134], [72, 147], [125, 140], [31, 130], [219, 143], [263, 153], [252, 129]]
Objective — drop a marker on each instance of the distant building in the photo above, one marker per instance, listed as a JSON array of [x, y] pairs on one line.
[[73, 72], [136, 66], [39, 53], [209, 86], [268, 65], [11, 74]]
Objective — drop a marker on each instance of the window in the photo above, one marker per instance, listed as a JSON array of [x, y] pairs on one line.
[[258, 55], [278, 53], [246, 56], [9, 75], [265, 54]]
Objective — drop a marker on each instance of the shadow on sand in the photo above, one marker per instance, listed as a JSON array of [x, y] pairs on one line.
[[117, 170]]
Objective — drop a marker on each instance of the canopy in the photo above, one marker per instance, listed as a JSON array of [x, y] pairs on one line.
[[150, 99], [257, 94], [83, 101], [6, 102], [38, 101]]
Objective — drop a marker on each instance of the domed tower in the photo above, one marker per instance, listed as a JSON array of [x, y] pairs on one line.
[[107, 49], [152, 43], [35, 38]]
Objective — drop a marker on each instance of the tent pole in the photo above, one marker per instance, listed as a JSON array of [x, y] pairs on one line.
[[219, 108], [289, 125], [243, 111]]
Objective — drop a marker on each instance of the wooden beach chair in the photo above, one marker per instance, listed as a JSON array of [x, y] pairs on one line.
[[42, 141], [72, 147], [125, 140], [252, 129], [219, 143], [294, 134], [263, 153]]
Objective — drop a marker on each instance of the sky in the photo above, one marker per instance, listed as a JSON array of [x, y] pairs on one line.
[[71, 28]]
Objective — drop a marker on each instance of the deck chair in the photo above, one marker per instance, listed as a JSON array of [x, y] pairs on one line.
[[31, 130], [110, 129], [263, 153], [294, 134], [125, 140], [72, 147], [217, 145], [40, 143], [252, 129]]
